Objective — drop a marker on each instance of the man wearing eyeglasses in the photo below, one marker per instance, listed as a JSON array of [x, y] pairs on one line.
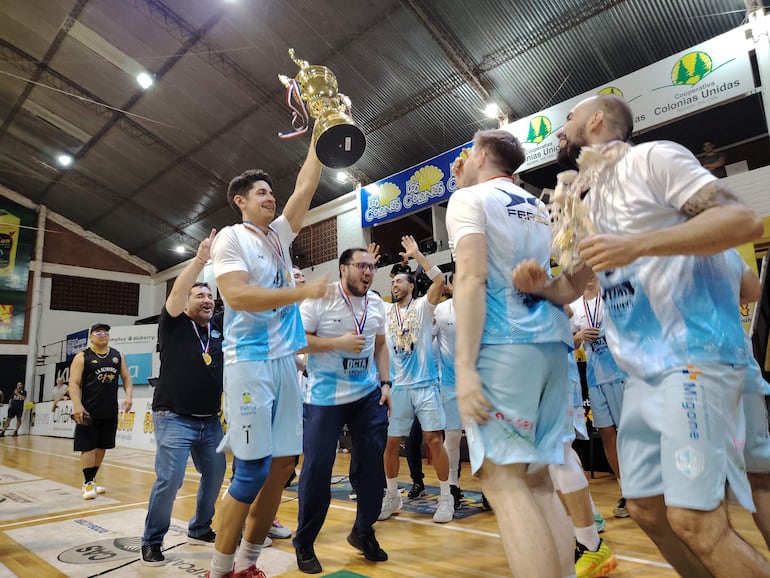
[[348, 383], [94, 392]]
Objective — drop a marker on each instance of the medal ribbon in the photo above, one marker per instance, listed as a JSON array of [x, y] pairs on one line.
[[204, 348], [400, 319], [275, 244], [593, 319], [360, 324], [299, 117]]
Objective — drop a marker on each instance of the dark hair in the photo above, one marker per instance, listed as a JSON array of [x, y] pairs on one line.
[[618, 115], [504, 149], [199, 284], [399, 268], [409, 276], [347, 256], [241, 184]]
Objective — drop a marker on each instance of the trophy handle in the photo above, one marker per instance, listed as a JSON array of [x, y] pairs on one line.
[[284, 80], [303, 64], [345, 102]]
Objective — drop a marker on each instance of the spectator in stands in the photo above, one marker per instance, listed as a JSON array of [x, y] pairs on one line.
[[713, 161]]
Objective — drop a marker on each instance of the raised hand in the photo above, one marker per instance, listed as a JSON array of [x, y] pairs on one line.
[[411, 249], [204, 249], [316, 288]]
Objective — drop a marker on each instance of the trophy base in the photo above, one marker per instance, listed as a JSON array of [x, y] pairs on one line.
[[340, 146]]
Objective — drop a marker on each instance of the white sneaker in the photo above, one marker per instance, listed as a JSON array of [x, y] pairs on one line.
[[268, 542], [445, 510], [100, 489], [89, 491], [391, 503], [278, 531]]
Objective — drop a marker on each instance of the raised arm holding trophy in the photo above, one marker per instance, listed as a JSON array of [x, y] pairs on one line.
[[338, 141]]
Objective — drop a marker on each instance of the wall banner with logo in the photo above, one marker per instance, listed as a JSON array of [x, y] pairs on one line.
[[706, 74], [700, 77], [410, 190], [17, 241], [76, 342]]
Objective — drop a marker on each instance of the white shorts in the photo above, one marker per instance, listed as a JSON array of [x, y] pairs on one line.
[[263, 409], [422, 402], [449, 403], [606, 403], [528, 388], [677, 437], [757, 450]]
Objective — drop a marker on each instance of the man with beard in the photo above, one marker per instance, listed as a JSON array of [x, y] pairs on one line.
[[185, 407], [263, 329], [348, 383], [415, 380], [663, 224], [510, 356]]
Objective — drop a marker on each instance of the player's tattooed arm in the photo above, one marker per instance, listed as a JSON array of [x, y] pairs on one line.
[[712, 195]]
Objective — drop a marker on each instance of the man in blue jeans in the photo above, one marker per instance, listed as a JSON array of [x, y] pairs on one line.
[[348, 383], [185, 406]]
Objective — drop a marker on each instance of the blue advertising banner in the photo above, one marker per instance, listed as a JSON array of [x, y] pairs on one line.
[[76, 342], [410, 190]]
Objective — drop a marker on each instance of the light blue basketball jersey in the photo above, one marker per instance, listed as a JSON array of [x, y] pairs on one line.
[[515, 225], [412, 362], [662, 312], [262, 335], [340, 377], [600, 365], [445, 338]]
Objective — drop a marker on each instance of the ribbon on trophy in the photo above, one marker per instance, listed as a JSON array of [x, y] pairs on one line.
[[300, 120]]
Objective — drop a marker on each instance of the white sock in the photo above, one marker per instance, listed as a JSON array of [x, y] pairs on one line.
[[221, 564], [392, 485], [588, 536], [452, 447], [444, 486], [248, 554]]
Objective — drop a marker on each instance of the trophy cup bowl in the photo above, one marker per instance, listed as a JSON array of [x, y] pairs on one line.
[[338, 141]]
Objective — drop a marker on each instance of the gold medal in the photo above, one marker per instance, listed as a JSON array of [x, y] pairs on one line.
[[206, 358]]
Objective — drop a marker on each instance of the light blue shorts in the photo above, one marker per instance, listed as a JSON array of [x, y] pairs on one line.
[[449, 403], [530, 395], [606, 403], [423, 402], [678, 437], [263, 409], [757, 450]]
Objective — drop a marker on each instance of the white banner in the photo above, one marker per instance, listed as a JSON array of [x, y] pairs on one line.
[[711, 72]]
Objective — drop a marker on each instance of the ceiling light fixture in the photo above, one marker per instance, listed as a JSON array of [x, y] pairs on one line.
[[342, 176], [492, 110], [180, 249], [144, 80], [64, 160]]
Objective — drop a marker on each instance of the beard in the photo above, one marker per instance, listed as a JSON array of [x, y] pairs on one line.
[[355, 289], [569, 153]]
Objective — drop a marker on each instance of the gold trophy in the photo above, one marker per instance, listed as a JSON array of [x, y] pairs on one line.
[[338, 141]]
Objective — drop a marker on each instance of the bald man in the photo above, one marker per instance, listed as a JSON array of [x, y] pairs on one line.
[[663, 224]]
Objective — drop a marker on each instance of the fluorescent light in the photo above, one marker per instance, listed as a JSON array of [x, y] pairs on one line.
[[342, 176], [64, 160], [180, 249], [144, 80], [492, 110]]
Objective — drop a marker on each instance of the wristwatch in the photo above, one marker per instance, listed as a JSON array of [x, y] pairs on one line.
[[386, 382]]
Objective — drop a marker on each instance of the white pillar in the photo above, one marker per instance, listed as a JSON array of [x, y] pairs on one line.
[[758, 36]]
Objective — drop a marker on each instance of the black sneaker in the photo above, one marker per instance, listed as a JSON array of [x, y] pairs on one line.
[[369, 546], [417, 491], [208, 538], [458, 496], [620, 510], [152, 555], [307, 561]]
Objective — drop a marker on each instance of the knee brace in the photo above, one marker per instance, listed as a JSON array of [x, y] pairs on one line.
[[249, 477], [568, 477]]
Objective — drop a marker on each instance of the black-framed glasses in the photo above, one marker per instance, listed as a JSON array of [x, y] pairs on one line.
[[363, 266]]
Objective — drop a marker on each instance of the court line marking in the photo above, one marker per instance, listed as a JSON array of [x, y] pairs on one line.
[[197, 477]]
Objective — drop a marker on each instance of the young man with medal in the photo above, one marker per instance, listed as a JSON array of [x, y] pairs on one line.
[[348, 383], [663, 225], [606, 380], [415, 380], [94, 393], [262, 332], [185, 407]]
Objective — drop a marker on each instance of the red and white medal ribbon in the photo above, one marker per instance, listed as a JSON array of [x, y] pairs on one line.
[[204, 347], [360, 323], [593, 319], [299, 117]]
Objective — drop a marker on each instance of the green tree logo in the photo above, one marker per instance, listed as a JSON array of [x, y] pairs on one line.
[[611, 90], [691, 68], [539, 128]]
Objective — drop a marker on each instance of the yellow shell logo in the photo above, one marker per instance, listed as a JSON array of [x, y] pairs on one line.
[[611, 90], [246, 398], [427, 176], [388, 192], [691, 68], [539, 128]]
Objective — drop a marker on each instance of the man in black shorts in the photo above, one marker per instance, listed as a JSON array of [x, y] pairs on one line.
[[94, 393], [16, 408]]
